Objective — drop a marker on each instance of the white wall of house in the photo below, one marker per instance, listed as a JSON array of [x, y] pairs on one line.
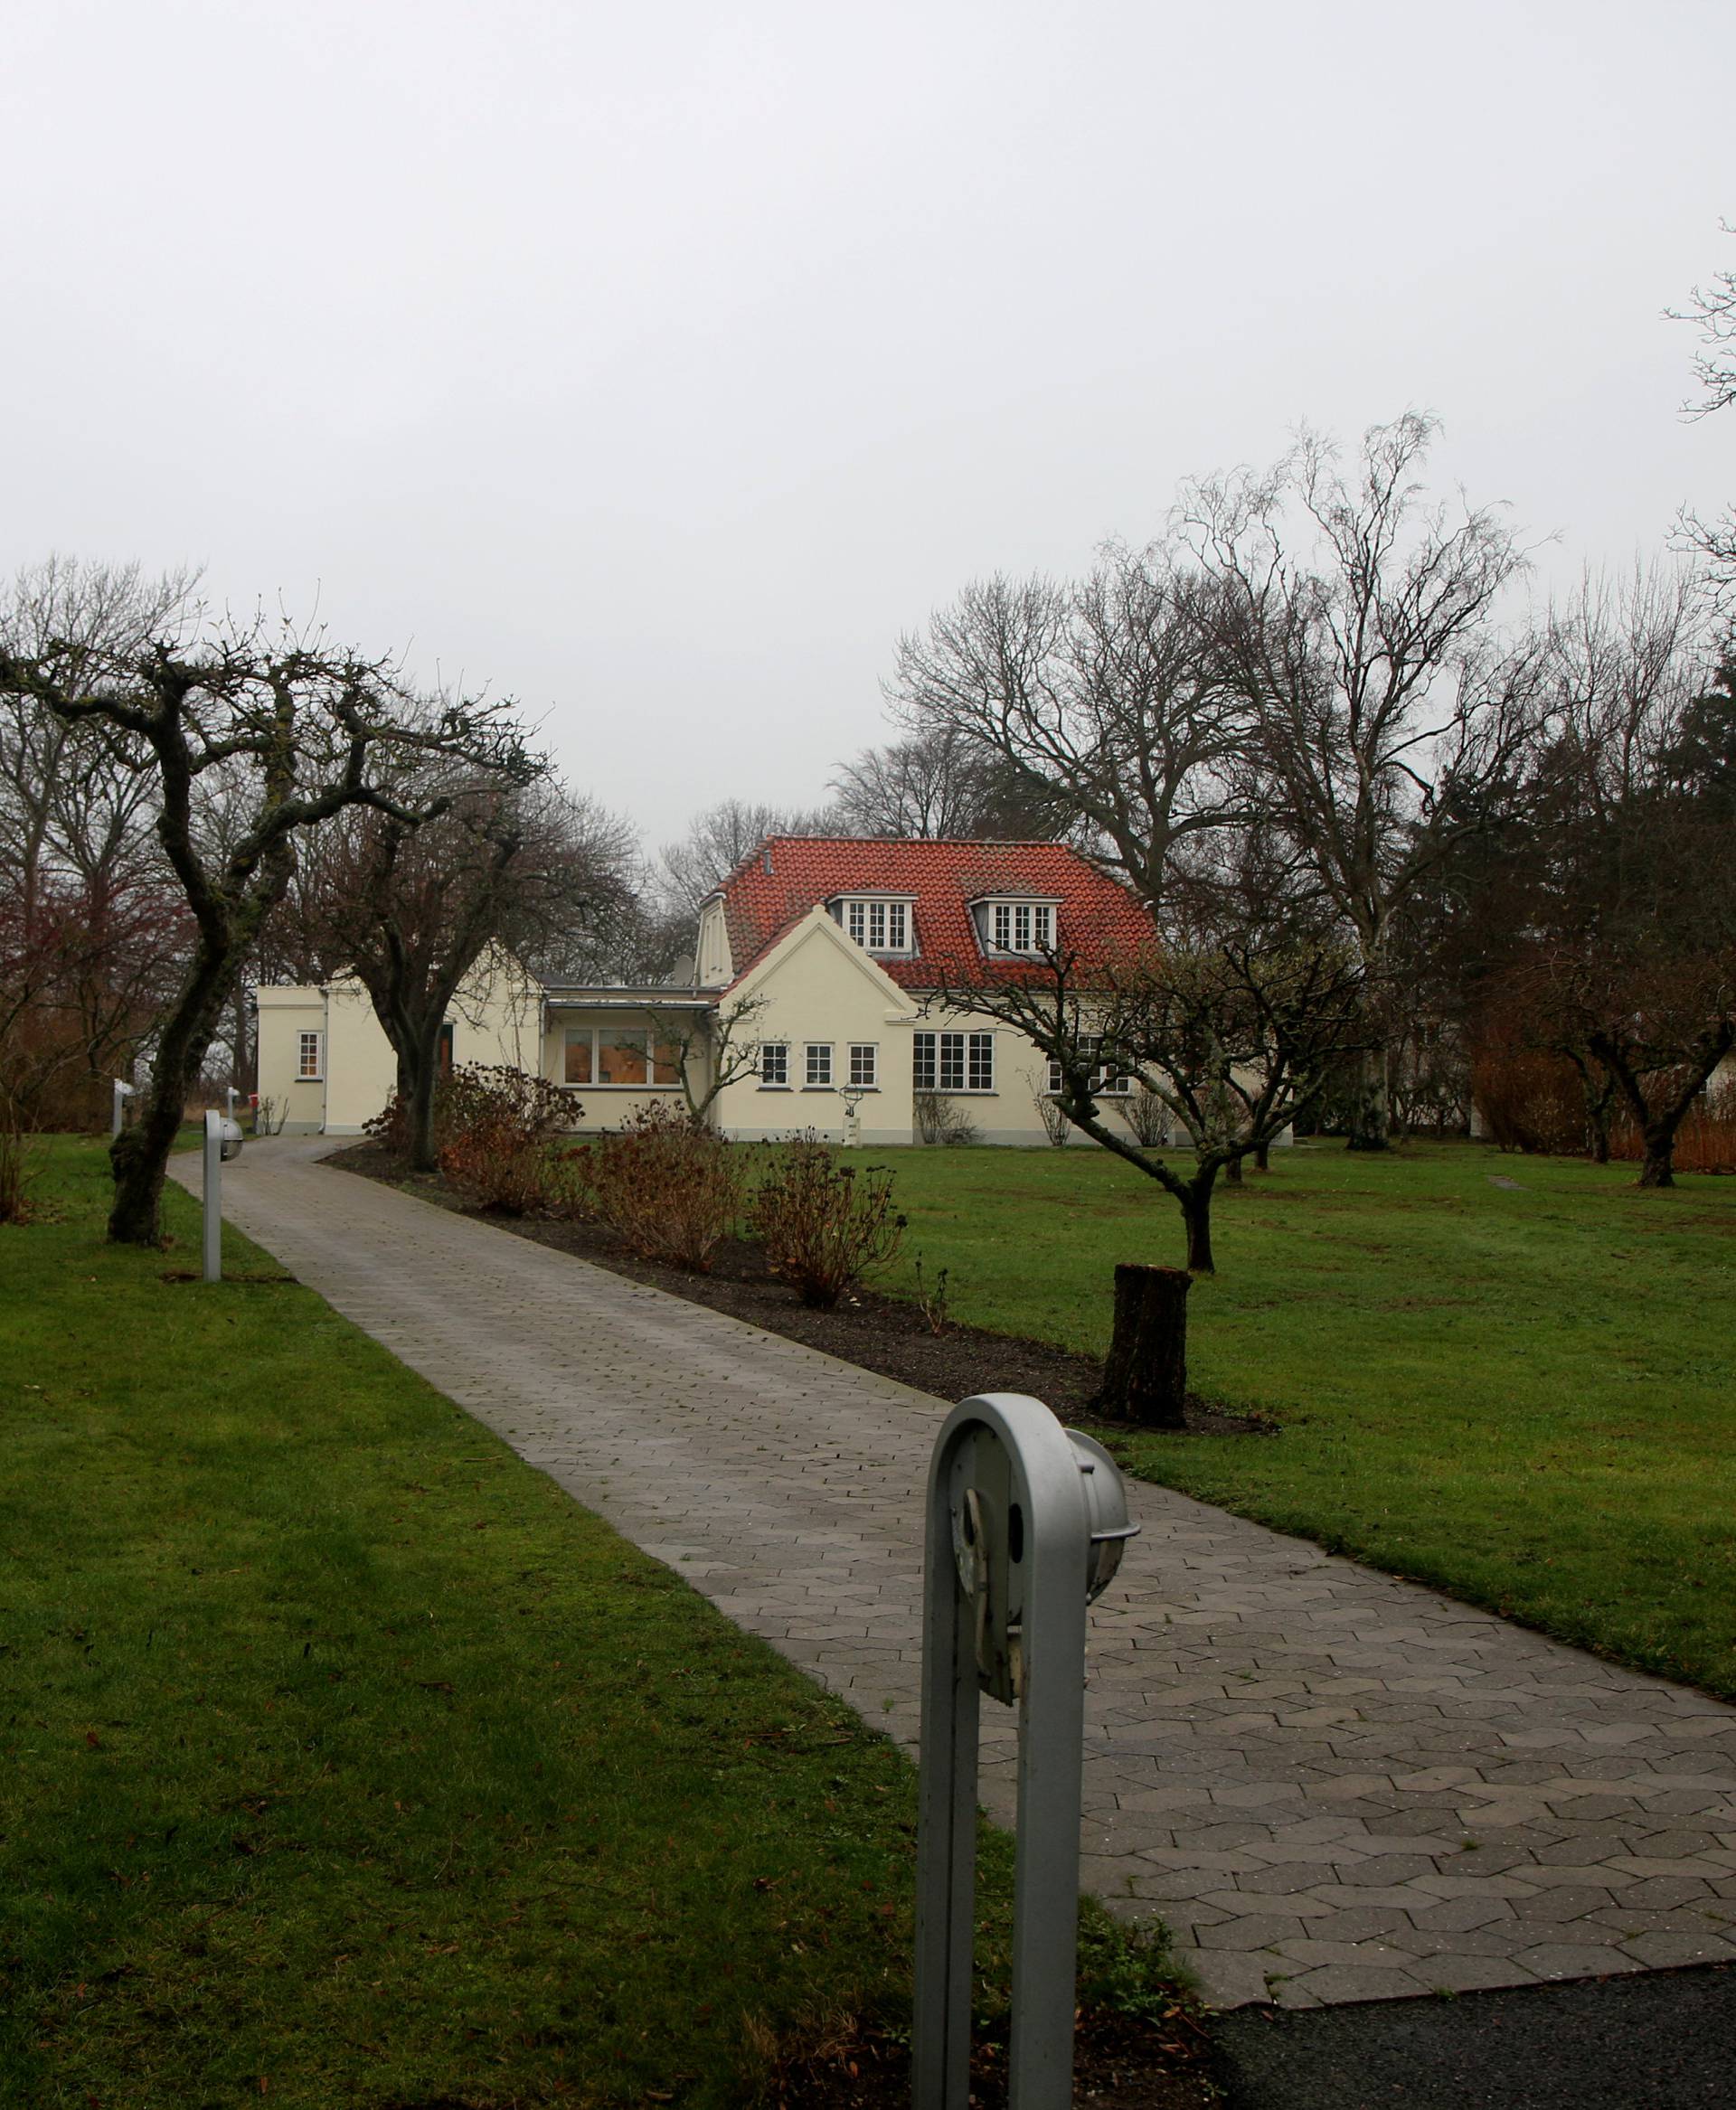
[[820, 990], [496, 1018], [291, 1066]]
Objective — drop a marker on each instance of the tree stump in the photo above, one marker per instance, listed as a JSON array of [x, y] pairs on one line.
[[1144, 1374]]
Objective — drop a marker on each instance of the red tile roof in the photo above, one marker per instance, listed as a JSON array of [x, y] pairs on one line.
[[1098, 918]]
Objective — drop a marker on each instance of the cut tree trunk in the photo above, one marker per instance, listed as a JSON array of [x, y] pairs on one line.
[[1144, 1374]]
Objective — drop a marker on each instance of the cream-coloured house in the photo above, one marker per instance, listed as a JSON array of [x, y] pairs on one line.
[[816, 965]]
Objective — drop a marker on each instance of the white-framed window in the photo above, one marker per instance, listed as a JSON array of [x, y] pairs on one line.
[[864, 1065], [774, 1065], [879, 927], [620, 1058], [816, 1069], [1021, 927], [310, 1057], [1102, 1081], [954, 1062]]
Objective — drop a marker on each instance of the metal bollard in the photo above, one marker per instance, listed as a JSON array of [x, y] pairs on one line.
[[1026, 1525], [213, 1227]]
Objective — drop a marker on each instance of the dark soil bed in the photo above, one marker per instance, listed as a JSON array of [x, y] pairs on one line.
[[1119, 2064], [887, 1334]]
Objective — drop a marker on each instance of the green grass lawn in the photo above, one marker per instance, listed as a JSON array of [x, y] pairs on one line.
[[1526, 1395], [346, 1760]]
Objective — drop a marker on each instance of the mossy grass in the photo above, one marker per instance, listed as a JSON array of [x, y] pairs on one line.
[[1520, 1392], [347, 1760]]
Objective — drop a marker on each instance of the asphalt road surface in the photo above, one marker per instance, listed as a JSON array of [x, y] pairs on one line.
[[1651, 2041]]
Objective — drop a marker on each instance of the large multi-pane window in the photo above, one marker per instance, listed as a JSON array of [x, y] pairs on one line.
[[625, 1057], [1021, 926], [881, 927], [954, 1062], [864, 1064], [1102, 1080], [309, 1047], [774, 1063], [817, 1067]]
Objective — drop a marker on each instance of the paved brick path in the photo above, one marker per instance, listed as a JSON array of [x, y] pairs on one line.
[[1333, 1785]]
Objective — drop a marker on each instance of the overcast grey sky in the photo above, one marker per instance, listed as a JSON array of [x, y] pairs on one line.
[[658, 364]]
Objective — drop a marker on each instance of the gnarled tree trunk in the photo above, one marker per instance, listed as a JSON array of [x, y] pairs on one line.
[[139, 1156]]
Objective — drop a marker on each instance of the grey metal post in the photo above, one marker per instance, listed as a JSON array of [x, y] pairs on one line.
[[946, 1821], [213, 1240], [1016, 1546]]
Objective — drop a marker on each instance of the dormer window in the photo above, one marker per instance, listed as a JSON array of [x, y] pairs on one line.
[[877, 924], [1016, 927]]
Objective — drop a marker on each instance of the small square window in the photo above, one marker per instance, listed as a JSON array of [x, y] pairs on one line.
[[774, 1063], [819, 1067], [864, 1064]]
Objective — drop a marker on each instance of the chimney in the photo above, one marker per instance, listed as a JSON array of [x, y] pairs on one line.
[[765, 861]]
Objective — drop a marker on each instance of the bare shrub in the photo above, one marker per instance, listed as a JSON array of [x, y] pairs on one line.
[[1052, 1114], [823, 1223], [667, 1185], [1146, 1117], [933, 1299], [566, 1185], [1529, 1101], [943, 1121], [499, 1125]]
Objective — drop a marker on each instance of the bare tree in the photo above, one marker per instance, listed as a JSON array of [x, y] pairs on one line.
[[1711, 309], [1100, 699], [410, 903], [1233, 1024], [716, 843], [312, 731], [936, 785], [1625, 960], [80, 862], [1386, 703], [723, 1042]]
